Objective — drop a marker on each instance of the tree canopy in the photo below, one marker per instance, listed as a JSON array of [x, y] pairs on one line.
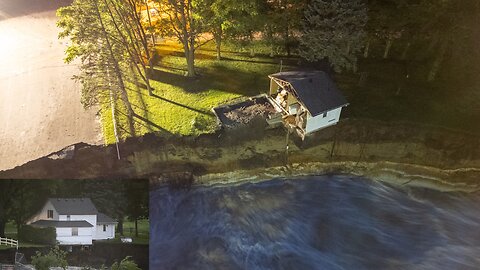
[[334, 30]]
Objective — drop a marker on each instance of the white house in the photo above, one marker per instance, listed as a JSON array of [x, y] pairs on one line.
[[76, 221], [308, 100]]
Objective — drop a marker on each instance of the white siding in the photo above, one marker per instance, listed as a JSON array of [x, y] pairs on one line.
[[318, 122], [65, 237], [42, 215], [108, 234], [92, 219]]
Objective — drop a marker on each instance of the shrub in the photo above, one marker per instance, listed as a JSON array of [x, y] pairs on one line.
[[44, 236], [125, 264], [54, 258]]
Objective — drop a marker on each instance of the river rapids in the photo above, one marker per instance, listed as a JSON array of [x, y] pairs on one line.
[[316, 222]]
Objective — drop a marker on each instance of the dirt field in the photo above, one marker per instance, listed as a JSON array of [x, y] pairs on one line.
[[40, 110]]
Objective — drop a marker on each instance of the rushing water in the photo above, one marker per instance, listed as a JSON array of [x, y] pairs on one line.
[[321, 222]]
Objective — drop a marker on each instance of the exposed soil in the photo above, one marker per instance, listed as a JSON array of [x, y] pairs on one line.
[[40, 109], [243, 113], [372, 148]]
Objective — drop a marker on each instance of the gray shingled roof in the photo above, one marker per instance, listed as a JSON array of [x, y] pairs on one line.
[[73, 206], [315, 90], [61, 224], [102, 218]]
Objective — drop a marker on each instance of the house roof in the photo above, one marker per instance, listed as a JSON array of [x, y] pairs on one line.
[[102, 218], [61, 224], [73, 206], [315, 90]]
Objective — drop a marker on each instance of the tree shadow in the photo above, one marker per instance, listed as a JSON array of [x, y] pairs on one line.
[[184, 106], [148, 123], [141, 121], [219, 77], [251, 61]]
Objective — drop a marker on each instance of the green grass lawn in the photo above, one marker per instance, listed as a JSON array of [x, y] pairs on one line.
[[129, 231], [182, 106]]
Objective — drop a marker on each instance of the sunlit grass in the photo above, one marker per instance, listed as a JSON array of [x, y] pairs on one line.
[[183, 106], [129, 231]]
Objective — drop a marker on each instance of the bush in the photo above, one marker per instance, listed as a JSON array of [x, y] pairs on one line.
[[43, 236], [125, 264], [54, 258]]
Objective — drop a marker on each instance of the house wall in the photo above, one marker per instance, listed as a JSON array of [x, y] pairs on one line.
[[318, 122], [65, 237], [92, 219], [42, 215], [108, 234]]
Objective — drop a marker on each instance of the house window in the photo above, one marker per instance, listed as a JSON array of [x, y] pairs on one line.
[[324, 114], [74, 231], [68, 217], [50, 214], [104, 228]]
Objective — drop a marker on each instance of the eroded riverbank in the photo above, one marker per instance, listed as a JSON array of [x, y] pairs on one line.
[[359, 147]]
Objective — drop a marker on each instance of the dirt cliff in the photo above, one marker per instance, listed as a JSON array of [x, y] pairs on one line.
[[353, 146]]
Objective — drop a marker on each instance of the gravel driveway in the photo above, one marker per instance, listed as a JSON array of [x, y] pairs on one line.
[[40, 110]]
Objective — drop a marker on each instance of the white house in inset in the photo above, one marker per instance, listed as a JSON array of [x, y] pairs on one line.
[[76, 221], [308, 100]]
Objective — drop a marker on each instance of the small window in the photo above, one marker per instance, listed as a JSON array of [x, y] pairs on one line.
[[68, 217], [74, 231], [324, 114], [104, 228], [50, 214]]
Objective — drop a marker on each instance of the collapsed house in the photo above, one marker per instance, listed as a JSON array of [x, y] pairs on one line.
[[304, 101], [308, 100]]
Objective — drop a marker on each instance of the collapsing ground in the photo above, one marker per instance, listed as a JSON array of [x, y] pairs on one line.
[[367, 147]]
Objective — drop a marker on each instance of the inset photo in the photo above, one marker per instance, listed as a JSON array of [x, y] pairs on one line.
[[92, 224]]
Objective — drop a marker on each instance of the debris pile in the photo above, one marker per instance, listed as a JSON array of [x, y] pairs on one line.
[[243, 113]]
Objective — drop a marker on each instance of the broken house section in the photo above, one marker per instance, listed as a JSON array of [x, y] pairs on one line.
[[304, 101]]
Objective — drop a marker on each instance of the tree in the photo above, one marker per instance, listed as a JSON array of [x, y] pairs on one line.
[[108, 38], [246, 25], [30, 195], [221, 17], [127, 23], [284, 17], [180, 18], [110, 197], [334, 30], [20, 199], [8, 191], [137, 201]]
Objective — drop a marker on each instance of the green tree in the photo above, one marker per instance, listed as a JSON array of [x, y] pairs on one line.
[[107, 36], [30, 196], [110, 197], [334, 30], [180, 18], [284, 17], [8, 192], [221, 17], [20, 199], [137, 201]]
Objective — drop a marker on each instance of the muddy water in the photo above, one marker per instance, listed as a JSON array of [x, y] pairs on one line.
[[322, 222]]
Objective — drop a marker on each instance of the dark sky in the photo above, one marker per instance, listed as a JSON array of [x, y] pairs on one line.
[[15, 8]]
